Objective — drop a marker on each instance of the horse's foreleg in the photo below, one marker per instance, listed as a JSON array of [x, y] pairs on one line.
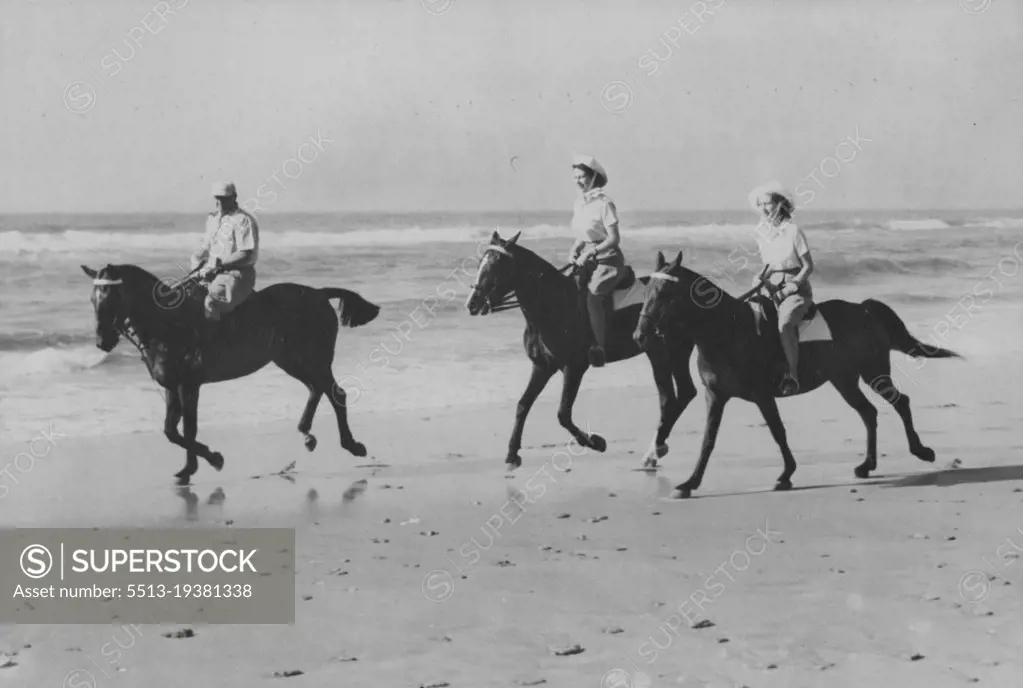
[[669, 371], [715, 410], [189, 399], [850, 391], [537, 381], [769, 409], [170, 430], [573, 379]]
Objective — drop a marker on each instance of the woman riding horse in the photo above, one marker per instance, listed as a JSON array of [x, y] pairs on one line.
[[787, 269], [595, 218]]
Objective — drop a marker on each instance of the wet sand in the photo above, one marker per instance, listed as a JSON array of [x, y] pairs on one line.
[[840, 582]]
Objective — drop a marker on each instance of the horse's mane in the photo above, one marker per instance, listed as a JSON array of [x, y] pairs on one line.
[[540, 274], [169, 299]]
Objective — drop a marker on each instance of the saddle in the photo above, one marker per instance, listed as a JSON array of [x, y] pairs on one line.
[[582, 279], [627, 282], [765, 315], [206, 331], [813, 327]]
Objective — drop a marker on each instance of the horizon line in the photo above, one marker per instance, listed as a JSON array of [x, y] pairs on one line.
[[503, 211]]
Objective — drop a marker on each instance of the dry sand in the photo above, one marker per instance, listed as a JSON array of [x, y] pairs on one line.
[[838, 583]]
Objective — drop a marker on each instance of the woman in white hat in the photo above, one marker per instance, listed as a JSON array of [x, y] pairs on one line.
[[787, 268], [595, 218]]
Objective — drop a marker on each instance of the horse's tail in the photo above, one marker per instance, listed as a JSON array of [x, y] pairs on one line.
[[900, 337], [353, 310]]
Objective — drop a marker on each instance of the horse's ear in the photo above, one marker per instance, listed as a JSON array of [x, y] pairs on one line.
[[515, 238], [89, 271], [661, 262], [678, 259], [495, 238]]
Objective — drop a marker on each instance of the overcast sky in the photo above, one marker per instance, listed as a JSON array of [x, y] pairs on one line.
[[421, 111]]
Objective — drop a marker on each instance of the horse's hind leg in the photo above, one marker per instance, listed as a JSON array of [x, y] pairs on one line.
[[573, 379], [339, 400], [878, 378], [849, 387], [305, 423]]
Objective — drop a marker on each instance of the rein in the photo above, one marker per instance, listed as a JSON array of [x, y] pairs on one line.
[[511, 301], [126, 329]]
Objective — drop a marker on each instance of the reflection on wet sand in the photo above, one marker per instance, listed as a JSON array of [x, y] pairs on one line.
[[215, 499]]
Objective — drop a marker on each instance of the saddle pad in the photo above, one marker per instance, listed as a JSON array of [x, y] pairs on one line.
[[815, 330], [634, 295]]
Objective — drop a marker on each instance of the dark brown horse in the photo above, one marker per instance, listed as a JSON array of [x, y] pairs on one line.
[[558, 337], [739, 355], [290, 324]]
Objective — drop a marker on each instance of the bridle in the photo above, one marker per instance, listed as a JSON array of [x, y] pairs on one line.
[[644, 314], [125, 329], [509, 301]]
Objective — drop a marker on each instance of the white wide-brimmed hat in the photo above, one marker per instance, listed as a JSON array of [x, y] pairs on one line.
[[770, 187], [592, 163], [224, 189]]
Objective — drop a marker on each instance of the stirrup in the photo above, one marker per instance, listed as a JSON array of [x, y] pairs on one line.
[[597, 357], [788, 386]]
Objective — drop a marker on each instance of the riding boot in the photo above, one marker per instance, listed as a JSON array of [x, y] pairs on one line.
[[598, 322], [790, 345], [205, 335]]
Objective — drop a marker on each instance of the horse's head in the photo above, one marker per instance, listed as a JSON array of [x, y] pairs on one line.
[[495, 277], [674, 289], [111, 301]]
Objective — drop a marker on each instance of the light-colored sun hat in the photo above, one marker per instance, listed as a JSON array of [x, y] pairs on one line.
[[770, 187], [224, 189], [592, 163]]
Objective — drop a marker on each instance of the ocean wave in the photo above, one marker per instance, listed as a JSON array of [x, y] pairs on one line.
[[15, 244], [49, 361], [929, 224], [38, 340], [845, 271], [999, 223]]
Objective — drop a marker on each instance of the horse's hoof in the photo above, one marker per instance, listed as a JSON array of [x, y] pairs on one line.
[[783, 485], [513, 461], [682, 493], [310, 442], [354, 448], [656, 452], [597, 442], [862, 471], [216, 459], [925, 454], [182, 478]]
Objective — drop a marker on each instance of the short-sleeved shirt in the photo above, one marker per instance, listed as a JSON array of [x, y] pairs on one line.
[[782, 248], [593, 213], [230, 233]]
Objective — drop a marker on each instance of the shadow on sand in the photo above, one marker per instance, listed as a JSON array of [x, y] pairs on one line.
[[941, 478]]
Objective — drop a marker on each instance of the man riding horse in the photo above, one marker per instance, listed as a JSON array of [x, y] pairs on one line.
[[228, 253]]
